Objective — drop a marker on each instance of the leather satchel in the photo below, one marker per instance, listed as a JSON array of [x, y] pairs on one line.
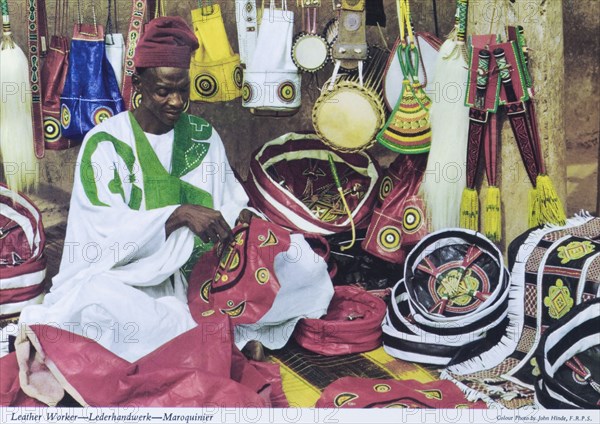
[[400, 222], [271, 79], [215, 71], [53, 75], [85, 104]]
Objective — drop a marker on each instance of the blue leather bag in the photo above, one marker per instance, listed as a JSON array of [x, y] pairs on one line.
[[91, 92]]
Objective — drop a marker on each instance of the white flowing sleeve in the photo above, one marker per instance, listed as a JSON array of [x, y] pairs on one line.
[[229, 197], [104, 234]]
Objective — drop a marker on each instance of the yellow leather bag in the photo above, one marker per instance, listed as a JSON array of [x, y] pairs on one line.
[[215, 70]]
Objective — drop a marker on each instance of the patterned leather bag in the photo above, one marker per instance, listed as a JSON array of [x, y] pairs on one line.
[[263, 281], [22, 260], [292, 183], [53, 75], [569, 360], [400, 222], [271, 79], [215, 71], [85, 104]]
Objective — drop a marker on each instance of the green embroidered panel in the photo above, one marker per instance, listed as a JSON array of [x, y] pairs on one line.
[[164, 189], [189, 151], [88, 180]]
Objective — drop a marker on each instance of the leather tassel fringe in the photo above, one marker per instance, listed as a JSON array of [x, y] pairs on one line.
[[492, 216], [469, 209], [551, 210], [16, 126]]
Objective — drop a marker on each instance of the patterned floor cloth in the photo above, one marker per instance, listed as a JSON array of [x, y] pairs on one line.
[[305, 374]]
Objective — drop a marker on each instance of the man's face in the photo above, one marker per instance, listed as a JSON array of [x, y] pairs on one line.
[[165, 93]]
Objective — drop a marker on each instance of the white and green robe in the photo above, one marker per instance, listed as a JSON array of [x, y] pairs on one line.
[[121, 280]]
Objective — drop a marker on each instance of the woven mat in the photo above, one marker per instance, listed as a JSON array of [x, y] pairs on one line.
[[306, 374]]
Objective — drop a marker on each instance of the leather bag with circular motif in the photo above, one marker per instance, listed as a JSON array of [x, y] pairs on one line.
[[215, 71]]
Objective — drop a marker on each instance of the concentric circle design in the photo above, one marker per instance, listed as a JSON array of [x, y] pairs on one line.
[[205, 291], [247, 92], [101, 114], [206, 85], [136, 100], [459, 286], [287, 92], [386, 187], [262, 275], [238, 77], [52, 130], [65, 116], [382, 388], [389, 238], [412, 220]]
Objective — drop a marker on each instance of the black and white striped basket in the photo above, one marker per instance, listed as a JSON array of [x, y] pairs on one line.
[[568, 358], [453, 307]]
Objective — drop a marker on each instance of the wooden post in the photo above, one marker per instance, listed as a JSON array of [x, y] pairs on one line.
[[598, 185], [543, 24]]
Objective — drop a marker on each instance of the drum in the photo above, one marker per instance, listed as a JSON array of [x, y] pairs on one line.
[[348, 115], [310, 52]]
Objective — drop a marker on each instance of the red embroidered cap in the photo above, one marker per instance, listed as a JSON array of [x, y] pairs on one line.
[[167, 42]]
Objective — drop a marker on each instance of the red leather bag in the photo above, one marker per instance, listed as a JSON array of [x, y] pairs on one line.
[[352, 324], [291, 182], [400, 222], [22, 260], [53, 74], [250, 256], [356, 392]]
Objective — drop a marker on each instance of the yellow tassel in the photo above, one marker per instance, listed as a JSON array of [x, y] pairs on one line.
[[469, 209], [492, 216], [551, 208], [534, 208]]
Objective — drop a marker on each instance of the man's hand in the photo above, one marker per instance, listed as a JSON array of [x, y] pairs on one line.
[[245, 216], [206, 223]]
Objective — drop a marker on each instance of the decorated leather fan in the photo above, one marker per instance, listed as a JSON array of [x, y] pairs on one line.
[[350, 111], [292, 182]]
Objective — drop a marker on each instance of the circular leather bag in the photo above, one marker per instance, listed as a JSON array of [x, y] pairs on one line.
[[352, 324], [291, 182]]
